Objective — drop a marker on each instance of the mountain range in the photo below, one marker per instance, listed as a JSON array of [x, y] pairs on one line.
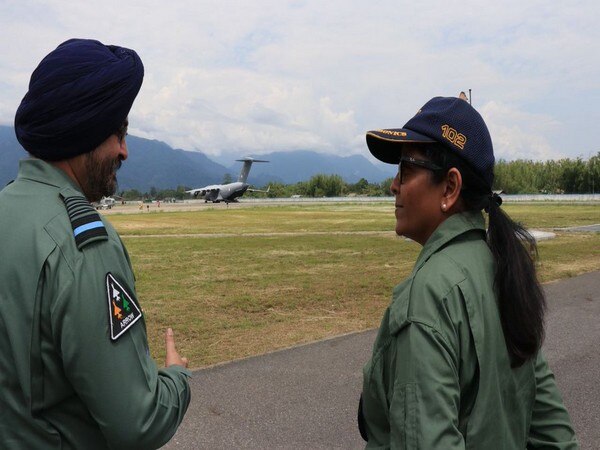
[[152, 163]]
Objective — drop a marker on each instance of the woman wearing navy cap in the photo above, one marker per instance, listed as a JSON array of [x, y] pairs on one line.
[[457, 361]]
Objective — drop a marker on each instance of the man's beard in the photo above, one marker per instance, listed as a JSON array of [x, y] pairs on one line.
[[101, 176]]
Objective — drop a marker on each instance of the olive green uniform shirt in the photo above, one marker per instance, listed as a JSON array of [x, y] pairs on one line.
[[440, 374], [64, 381]]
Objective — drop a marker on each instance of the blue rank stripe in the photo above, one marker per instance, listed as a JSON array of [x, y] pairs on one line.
[[88, 226]]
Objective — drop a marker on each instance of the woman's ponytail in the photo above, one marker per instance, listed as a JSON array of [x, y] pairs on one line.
[[520, 297], [521, 300]]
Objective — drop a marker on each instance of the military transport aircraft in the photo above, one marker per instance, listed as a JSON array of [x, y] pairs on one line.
[[231, 191]]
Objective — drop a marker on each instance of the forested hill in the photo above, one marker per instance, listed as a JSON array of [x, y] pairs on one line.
[[153, 163], [150, 164], [10, 154], [300, 165]]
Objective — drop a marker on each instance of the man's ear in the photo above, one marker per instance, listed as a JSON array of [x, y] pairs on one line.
[[452, 187]]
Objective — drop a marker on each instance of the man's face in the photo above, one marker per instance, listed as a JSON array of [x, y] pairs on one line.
[[100, 168]]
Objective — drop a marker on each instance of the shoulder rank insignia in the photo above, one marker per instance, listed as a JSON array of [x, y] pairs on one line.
[[123, 312], [86, 222]]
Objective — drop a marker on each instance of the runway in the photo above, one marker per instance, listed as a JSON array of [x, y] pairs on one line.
[[133, 207]]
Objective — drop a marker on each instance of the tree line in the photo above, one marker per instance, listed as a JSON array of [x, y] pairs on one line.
[[564, 176], [319, 185]]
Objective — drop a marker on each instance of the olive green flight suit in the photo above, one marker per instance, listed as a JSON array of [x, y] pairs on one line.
[[75, 370], [440, 375]]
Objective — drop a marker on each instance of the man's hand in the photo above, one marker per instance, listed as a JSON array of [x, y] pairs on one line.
[[173, 358]]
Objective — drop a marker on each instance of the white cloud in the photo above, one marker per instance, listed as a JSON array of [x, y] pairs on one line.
[[518, 134], [225, 76], [263, 113]]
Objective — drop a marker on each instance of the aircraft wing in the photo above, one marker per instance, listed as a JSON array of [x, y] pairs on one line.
[[199, 191], [204, 190], [258, 190]]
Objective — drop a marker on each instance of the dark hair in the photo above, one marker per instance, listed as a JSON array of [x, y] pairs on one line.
[[521, 300], [122, 131]]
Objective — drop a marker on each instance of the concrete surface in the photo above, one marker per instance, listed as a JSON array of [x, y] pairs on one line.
[[583, 229]]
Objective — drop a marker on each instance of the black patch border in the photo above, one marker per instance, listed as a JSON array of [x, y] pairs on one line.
[[110, 277]]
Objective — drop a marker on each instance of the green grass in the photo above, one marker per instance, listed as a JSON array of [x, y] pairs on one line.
[[323, 218], [236, 297], [568, 255], [230, 297], [554, 215], [258, 220]]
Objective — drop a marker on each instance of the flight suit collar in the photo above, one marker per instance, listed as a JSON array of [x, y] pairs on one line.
[[40, 171], [453, 227], [448, 230]]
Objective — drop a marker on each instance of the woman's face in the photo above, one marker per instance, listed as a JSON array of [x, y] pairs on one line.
[[418, 199]]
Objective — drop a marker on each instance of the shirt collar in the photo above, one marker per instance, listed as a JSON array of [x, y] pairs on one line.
[[42, 172], [448, 230]]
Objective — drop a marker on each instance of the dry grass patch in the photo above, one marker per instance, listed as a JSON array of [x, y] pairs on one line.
[[227, 290], [257, 220], [569, 255]]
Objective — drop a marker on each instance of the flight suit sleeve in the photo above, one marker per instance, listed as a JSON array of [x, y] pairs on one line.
[[426, 394], [550, 423], [135, 404]]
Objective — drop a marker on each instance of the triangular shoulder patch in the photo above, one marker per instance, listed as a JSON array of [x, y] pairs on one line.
[[123, 311]]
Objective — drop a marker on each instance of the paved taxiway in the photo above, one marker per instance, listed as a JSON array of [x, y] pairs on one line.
[[306, 397]]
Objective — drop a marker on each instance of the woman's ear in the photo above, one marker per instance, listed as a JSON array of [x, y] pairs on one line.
[[452, 187]]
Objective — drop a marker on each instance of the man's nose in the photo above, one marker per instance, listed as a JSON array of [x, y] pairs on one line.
[[123, 153]]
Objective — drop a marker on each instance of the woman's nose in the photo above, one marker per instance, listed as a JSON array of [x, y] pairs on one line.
[[395, 187]]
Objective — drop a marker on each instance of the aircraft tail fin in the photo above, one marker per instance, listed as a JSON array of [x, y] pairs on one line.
[[246, 167]]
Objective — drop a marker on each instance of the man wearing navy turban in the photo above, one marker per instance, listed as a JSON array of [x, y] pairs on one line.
[[75, 367]]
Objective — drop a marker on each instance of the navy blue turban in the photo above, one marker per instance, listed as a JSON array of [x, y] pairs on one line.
[[79, 95]]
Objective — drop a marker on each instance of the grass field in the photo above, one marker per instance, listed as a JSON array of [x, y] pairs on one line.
[[251, 280]]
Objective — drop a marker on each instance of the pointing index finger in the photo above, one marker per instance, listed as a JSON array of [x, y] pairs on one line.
[[170, 340]]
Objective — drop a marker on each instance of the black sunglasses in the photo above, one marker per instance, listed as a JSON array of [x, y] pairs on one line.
[[122, 131], [416, 162]]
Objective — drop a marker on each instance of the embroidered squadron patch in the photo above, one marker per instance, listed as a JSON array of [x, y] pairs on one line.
[[122, 309]]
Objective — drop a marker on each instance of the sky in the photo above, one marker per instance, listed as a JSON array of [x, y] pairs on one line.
[[232, 78]]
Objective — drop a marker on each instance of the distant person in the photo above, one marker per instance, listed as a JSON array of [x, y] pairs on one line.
[[457, 362], [75, 367]]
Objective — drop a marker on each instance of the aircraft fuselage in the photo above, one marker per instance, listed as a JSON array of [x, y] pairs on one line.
[[224, 193], [231, 191]]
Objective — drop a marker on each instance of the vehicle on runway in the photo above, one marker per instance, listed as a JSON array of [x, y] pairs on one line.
[[229, 192], [105, 203]]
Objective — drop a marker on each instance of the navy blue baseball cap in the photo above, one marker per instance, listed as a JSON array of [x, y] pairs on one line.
[[449, 121]]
